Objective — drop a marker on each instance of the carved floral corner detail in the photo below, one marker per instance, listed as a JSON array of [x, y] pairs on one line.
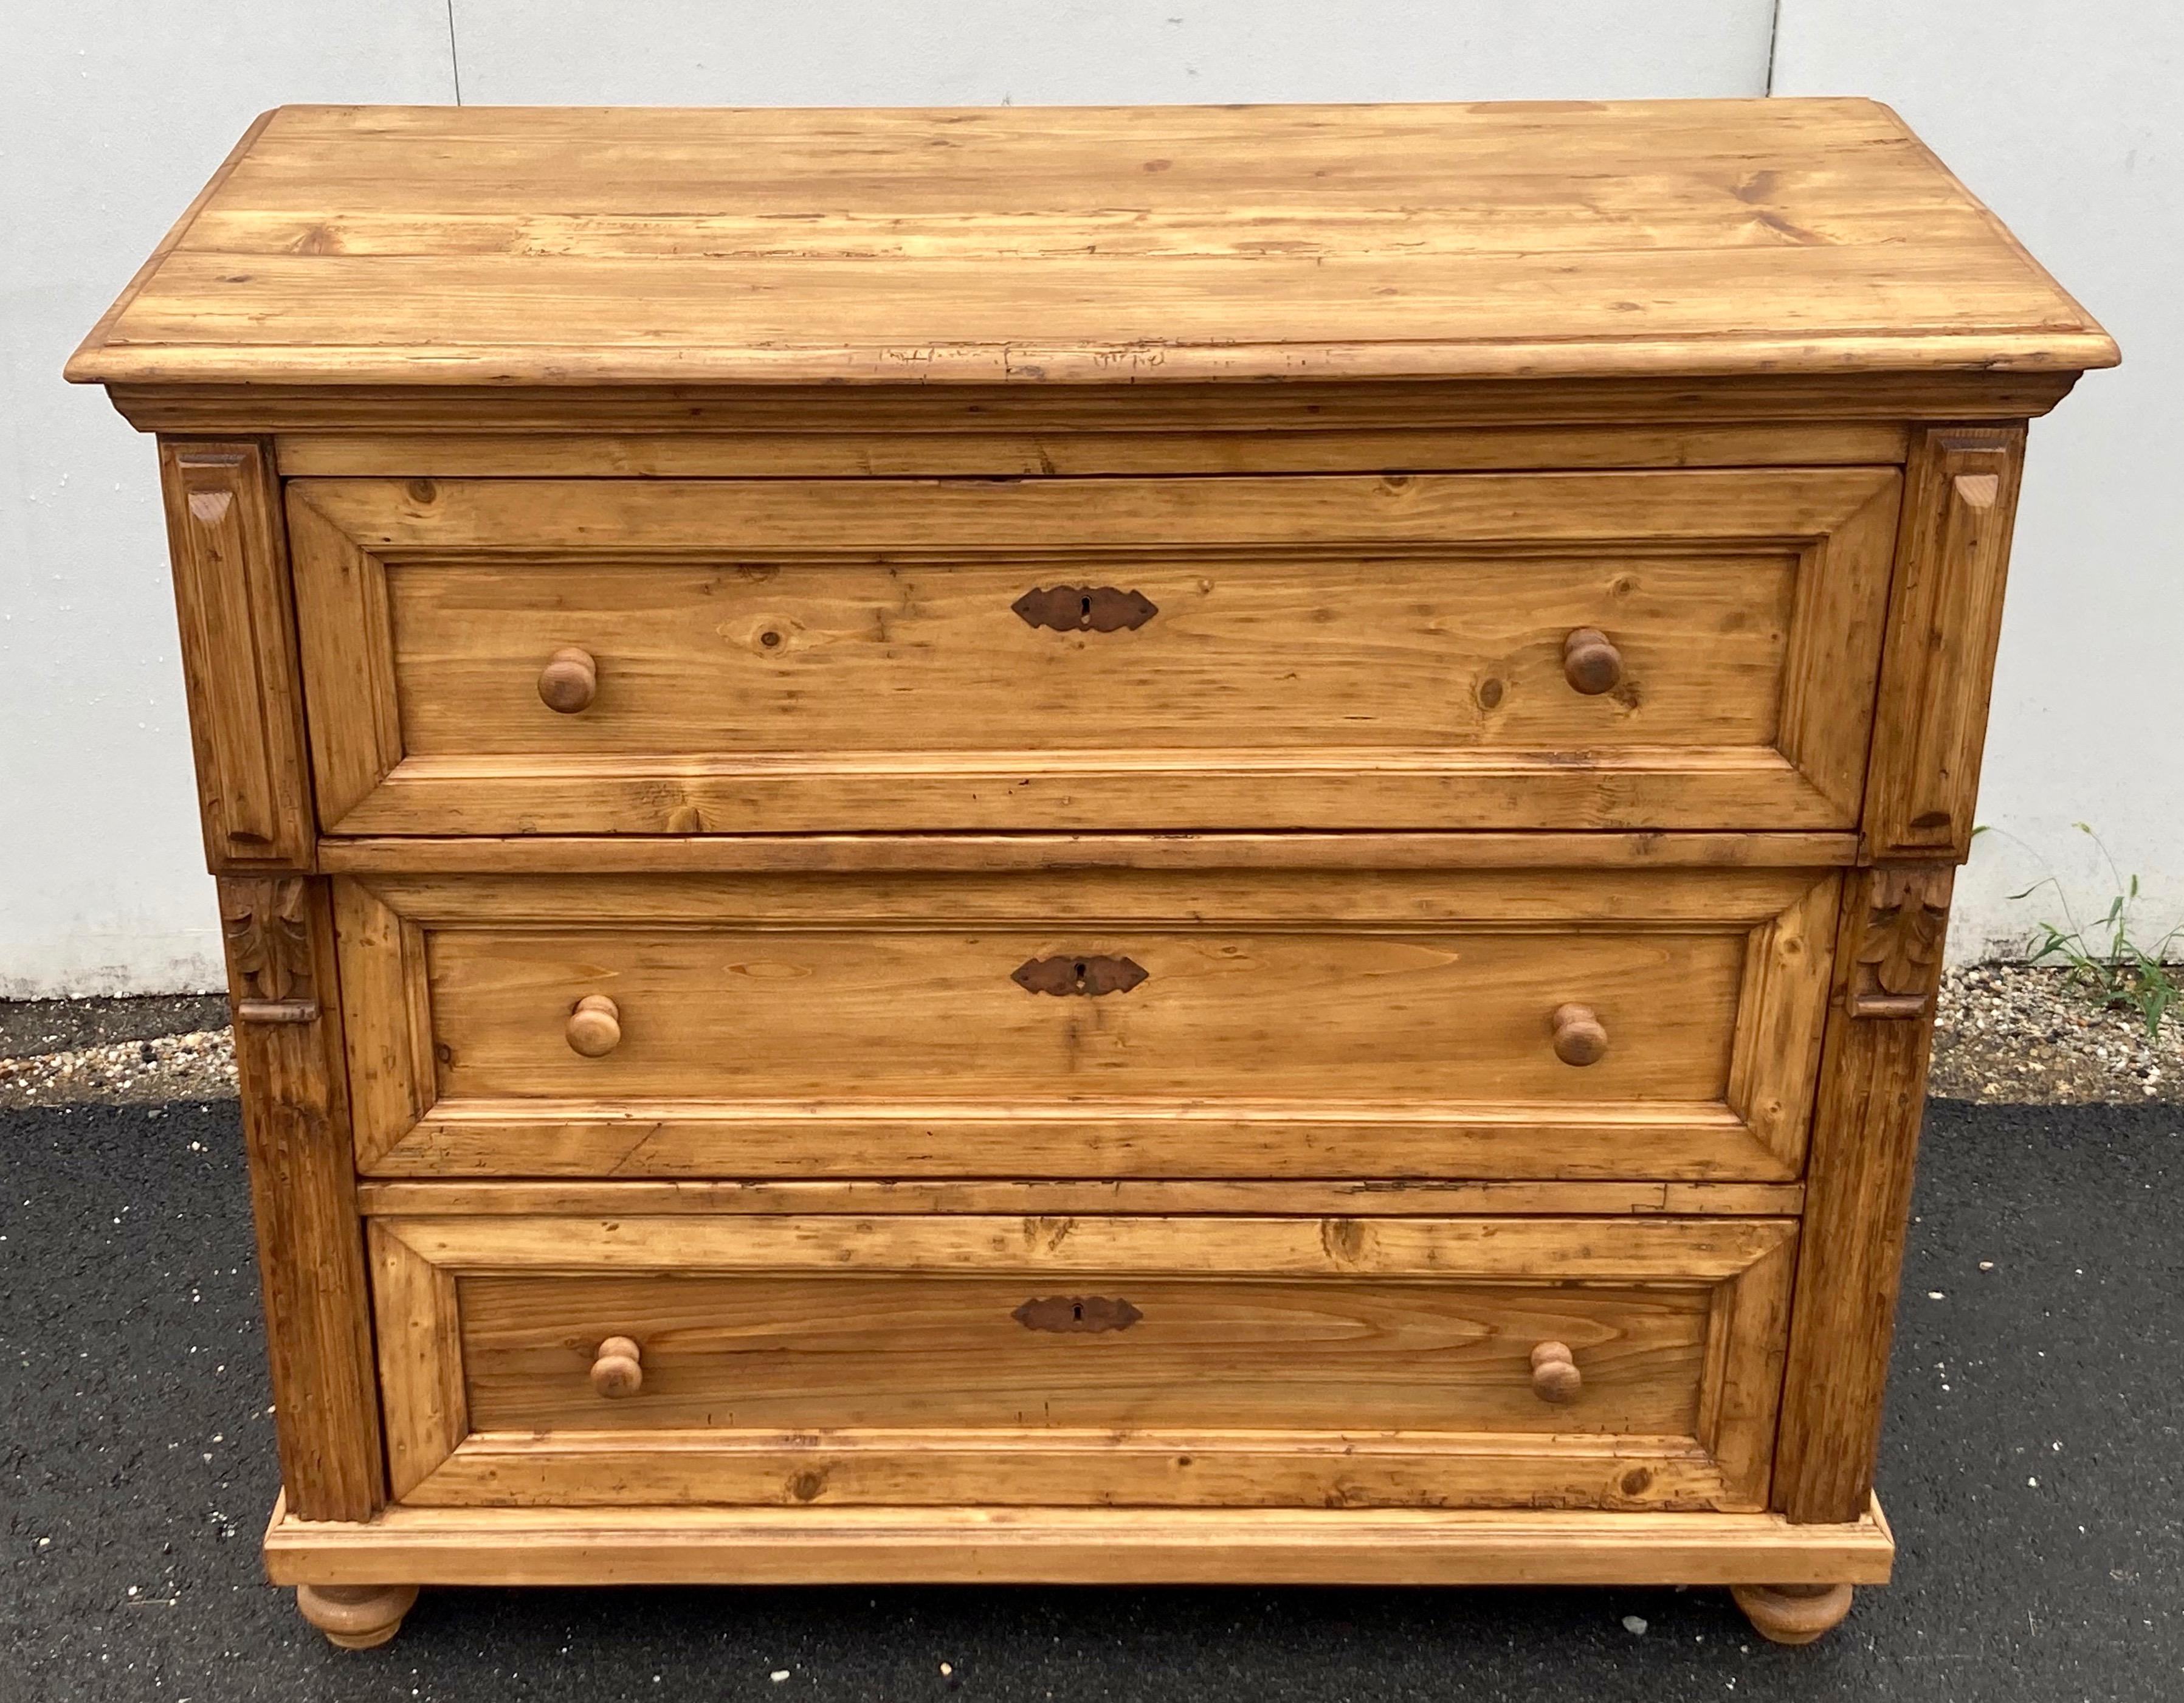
[[1898, 966], [269, 949]]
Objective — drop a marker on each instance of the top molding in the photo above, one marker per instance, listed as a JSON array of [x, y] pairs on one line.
[[513, 248]]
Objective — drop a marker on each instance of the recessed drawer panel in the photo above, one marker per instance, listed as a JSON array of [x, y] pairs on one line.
[[1651, 650], [1434, 1361], [1094, 1024]]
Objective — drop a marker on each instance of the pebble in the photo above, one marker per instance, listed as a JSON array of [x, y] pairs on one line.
[[196, 1066], [2030, 1035]]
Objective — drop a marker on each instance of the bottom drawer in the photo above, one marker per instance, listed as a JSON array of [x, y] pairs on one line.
[[962, 1360]]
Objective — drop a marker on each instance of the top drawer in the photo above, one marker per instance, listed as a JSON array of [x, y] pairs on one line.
[[1233, 652]]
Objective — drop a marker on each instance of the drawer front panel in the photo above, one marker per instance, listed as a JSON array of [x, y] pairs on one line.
[[1221, 1013], [1245, 1024], [1289, 652], [1442, 1361]]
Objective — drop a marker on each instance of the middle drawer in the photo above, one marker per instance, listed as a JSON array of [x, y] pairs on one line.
[[1095, 1023]]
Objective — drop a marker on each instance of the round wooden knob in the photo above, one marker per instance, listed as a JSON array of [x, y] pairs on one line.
[[595, 1026], [569, 681], [618, 1368], [1590, 663], [1555, 1375], [1581, 1037]]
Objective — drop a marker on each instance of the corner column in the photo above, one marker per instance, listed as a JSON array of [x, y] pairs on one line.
[[234, 600], [1922, 784]]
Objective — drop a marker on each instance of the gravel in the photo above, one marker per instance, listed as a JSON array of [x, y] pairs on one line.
[[2029, 1036], [29, 1026], [2015, 1034], [199, 1065]]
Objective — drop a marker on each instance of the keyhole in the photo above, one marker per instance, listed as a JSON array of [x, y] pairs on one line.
[[1080, 972], [1076, 1311], [1085, 612]]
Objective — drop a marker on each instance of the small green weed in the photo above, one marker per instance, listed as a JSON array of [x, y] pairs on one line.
[[2107, 961]]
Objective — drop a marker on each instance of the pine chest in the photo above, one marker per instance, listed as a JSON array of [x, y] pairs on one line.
[[1160, 845]]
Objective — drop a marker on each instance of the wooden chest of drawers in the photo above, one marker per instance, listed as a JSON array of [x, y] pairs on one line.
[[1156, 845]]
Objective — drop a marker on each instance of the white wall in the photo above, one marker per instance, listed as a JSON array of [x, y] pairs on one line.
[[2067, 118], [111, 113], [979, 52]]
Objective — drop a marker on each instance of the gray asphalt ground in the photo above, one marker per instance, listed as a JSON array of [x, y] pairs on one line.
[[2033, 1469]]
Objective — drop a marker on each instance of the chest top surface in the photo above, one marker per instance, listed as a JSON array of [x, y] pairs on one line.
[[551, 246]]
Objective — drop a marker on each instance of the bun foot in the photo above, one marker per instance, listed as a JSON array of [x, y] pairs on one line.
[[356, 1617], [1793, 1614]]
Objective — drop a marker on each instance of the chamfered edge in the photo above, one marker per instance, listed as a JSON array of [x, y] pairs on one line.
[[2085, 347]]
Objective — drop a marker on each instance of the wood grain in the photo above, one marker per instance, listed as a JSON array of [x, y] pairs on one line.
[[226, 539], [674, 518], [387, 1031], [1944, 624], [1246, 1198], [1405, 650], [1061, 855], [1672, 1145], [832, 1352], [1392, 1546], [1782, 1010], [1143, 1469], [345, 633], [906, 1015], [776, 575], [1061, 245], [666, 854], [1569, 1250], [1327, 652], [1865, 1137], [303, 1190], [1318, 787], [421, 1361], [1372, 1022], [1741, 1390], [1075, 319], [1173, 412], [795, 1345], [1793, 1615], [959, 441], [356, 1617]]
